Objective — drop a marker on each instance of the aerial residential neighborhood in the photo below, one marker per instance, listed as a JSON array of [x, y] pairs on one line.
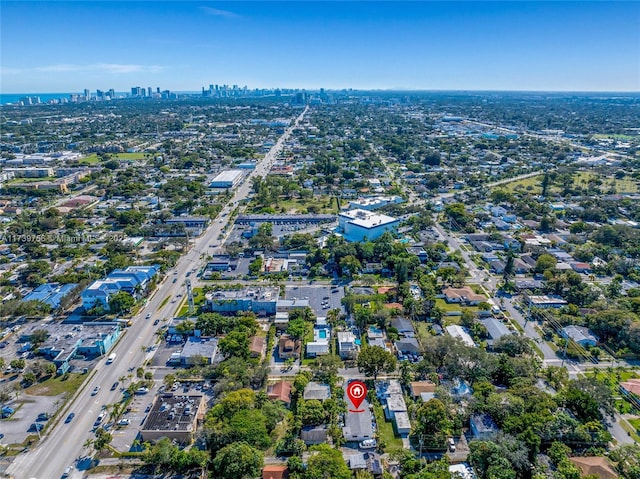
[[319, 240], [219, 262]]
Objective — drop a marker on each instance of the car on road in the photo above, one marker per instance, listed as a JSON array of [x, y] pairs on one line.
[[70, 418], [174, 280], [95, 390], [148, 315], [100, 418], [115, 386], [156, 322], [124, 422], [67, 471]]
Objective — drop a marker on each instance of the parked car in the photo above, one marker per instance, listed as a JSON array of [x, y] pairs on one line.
[[368, 444], [43, 416], [124, 422], [67, 471]]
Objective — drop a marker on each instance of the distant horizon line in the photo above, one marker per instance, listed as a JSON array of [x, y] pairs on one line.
[[317, 89]]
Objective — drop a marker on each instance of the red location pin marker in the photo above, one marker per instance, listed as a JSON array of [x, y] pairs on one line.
[[357, 391]]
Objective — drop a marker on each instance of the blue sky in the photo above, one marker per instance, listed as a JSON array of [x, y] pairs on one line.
[[508, 45]]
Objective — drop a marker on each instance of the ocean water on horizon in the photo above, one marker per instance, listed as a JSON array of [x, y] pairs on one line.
[[44, 97]]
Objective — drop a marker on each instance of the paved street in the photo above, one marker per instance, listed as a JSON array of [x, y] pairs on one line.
[[65, 442]]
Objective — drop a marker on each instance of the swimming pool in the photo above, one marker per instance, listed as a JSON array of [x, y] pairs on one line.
[[322, 334]]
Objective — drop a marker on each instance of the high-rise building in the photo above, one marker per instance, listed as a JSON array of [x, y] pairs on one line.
[[112, 93], [149, 92], [136, 91], [87, 94]]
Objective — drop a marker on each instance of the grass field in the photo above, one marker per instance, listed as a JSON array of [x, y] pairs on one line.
[[533, 185], [385, 430], [322, 204], [94, 158], [55, 386]]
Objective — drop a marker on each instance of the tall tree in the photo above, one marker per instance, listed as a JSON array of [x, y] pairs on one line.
[[238, 461], [374, 360]]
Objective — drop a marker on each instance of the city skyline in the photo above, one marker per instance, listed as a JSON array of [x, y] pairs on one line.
[[523, 46]]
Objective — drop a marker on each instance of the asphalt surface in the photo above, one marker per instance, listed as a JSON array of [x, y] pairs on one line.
[[64, 443]]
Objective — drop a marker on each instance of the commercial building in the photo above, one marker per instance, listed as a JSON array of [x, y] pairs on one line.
[[199, 349], [373, 203], [68, 341], [175, 417], [133, 280], [545, 301], [261, 300], [30, 172], [227, 179], [189, 222], [358, 225]]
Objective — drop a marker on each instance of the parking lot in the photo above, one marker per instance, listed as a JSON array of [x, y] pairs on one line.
[[27, 408], [321, 298]]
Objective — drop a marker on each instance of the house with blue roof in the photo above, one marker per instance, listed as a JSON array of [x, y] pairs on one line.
[[51, 294], [133, 280]]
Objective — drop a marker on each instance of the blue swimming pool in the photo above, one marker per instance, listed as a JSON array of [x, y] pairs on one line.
[[322, 334]]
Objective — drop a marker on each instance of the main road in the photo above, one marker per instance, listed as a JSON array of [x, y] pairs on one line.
[[64, 443]]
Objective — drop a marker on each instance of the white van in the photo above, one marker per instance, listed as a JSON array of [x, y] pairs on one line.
[[111, 358], [368, 444]]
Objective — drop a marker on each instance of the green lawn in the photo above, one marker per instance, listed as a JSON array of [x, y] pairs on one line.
[[533, 185], [95, 159], [385, 430], [55, 386], [164, 301], [324, 204]]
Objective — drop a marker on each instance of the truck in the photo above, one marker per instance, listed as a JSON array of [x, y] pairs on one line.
[[111, 358]]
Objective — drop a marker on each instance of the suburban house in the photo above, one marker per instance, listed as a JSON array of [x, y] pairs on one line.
[[289, 348], [318, 391], [482, 426], [275, 472], [314, 435], [464, 295], [347, 346], [580, 335], [280, 391], [425, 390], [256, 346]]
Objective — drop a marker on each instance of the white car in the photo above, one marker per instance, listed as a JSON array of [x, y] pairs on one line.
[[368, 444]]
